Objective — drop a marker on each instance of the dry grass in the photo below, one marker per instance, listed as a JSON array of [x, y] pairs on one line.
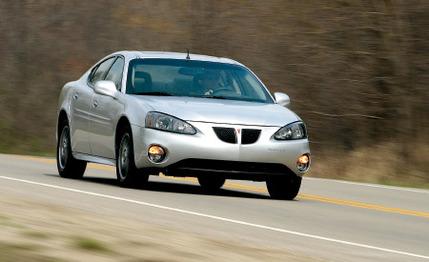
[[384, 164]]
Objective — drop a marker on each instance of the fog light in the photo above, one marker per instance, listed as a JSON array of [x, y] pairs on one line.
[[303, 163], [303, 159], [156, 153]]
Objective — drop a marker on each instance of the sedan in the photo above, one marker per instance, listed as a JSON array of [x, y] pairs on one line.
[[182, 115]]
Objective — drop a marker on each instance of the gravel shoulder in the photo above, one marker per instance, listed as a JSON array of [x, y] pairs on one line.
[[41, 231]]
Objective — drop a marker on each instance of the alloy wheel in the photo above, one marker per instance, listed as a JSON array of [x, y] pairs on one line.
[[124, 157], [63, 150]]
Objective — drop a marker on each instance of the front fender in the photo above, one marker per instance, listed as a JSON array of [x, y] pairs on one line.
[[136, 110]]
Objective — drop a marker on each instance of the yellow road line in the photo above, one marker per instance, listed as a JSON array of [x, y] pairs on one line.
[[352, 203], [236, 186]]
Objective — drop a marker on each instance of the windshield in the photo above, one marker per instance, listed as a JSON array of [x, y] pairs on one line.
[[177, 77]]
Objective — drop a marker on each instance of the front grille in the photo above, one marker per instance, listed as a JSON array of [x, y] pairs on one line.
[[249, 136], [226, 134]]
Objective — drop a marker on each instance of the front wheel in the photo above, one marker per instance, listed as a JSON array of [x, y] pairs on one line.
[[126, 171], [67, 165], [211, 183], [284, 187]]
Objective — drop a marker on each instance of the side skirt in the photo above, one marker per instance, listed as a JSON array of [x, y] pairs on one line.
[[94, 159]]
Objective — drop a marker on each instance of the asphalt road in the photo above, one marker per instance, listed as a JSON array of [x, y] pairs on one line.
[[331, 220]]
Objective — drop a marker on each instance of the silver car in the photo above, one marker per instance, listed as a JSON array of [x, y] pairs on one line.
[[180, 114]]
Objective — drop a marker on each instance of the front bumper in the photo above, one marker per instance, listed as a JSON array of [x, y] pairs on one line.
[[205, 145]]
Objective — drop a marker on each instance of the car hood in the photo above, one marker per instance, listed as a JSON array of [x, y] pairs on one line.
[[220, 110]]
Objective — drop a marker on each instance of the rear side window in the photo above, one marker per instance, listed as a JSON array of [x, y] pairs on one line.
[[115, 72], [99, 72]]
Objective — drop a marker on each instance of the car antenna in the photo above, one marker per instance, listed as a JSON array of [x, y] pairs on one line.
[[187, 54]]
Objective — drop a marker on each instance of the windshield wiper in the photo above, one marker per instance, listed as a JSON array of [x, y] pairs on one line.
[[215, 97], [155, 93]]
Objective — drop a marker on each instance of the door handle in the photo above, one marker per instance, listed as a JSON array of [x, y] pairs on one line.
[[95, 103], [75, 96]]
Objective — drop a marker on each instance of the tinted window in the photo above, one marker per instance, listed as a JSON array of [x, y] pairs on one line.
[[179, 77], [100, 71], [115, 72]]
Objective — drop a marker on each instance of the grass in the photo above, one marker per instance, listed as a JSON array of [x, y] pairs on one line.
[[3, 219], [90, 244], [404, 184], [383, 164], [8, 223], [21, 247], [11, 143], [22, 252], [385, 182], [35, 149], [36, 234]]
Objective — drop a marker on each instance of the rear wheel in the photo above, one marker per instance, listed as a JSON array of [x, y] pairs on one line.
[[126, 171], [211, 183], [67, 165], [284, 187]]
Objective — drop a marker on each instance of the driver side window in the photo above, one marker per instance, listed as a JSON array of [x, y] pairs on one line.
[[99, 72]]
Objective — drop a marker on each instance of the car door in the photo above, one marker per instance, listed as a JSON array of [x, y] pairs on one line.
[[105, 111], [80, 107], [79, 124]]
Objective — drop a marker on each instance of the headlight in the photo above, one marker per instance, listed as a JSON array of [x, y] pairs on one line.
[[168, 123], [291, 132]]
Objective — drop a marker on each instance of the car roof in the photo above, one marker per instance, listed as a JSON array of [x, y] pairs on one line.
[[176, 55]]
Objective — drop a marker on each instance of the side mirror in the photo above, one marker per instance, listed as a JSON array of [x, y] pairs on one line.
[[107, 88], [282, 99]]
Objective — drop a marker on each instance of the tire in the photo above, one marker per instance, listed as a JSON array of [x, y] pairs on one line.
[[126, 171], [284, 187], [67, 165], [211, 183]]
